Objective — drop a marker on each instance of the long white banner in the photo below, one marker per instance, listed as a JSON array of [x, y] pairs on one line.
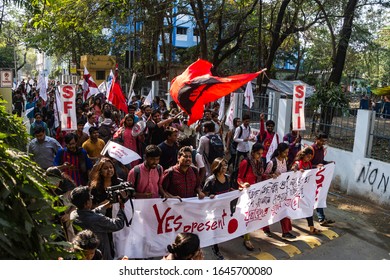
[[156, 222]]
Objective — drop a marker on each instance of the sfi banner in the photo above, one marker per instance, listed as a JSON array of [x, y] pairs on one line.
[[68, 102], [298, 111]]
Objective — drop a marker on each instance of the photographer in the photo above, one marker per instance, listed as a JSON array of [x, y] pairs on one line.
[[95, 220]]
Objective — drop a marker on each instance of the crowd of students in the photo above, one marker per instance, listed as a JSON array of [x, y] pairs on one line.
[[178, 161]]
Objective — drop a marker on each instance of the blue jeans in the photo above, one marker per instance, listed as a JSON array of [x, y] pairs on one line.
[[320, 214]]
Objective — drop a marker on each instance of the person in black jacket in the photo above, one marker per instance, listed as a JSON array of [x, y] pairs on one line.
[[95, 220]]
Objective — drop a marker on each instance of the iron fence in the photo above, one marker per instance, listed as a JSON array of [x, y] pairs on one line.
[[262, 104], [337, 122], [380, 148]]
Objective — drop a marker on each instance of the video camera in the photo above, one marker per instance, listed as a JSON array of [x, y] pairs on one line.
[[115, 192]]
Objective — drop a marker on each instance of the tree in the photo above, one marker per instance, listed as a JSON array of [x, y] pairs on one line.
[[345, 35], [27, 203]]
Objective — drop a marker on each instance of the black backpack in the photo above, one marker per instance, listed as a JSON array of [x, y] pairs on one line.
[[216, 148], [235, 144]]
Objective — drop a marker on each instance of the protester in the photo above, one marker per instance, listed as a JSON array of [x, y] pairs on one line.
[[210, 145], [185, 247], [39, 122], [302, 162], [231, 145], [146, 177], [124, 136], [242, 136], [169, 148], [42, 148], [251, 171], [95, 220], [266, 136], [318, 161], [107, 127], [276, 166], [215, 184], [156, 128], [91, 121], [94, 145], [81, 135], [293, 139], [73, 161], [197, 159], [85, 244], [182, 180], [102, 176]]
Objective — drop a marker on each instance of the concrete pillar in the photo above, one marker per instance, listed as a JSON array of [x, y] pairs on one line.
[[364, 126], [284, 116]]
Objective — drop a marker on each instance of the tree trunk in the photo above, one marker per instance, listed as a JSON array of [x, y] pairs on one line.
[[345, 35], [275, 40], [198, 9]]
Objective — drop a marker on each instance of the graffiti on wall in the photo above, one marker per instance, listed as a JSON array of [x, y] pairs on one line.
[[374, 178]]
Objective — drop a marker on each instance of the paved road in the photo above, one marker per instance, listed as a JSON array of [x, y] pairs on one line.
[[361, 232]]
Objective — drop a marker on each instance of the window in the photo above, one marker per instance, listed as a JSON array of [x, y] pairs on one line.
[[182, 30], [100, 75]]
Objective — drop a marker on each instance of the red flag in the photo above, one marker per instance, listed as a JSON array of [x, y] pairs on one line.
[[115, 95], [89, 86], [196, 87]]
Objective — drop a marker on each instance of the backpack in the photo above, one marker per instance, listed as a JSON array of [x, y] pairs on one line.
[[234, 176], [216, 148], [235, 144], [137, 174]]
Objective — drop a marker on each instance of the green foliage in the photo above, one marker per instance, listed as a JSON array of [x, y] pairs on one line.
[[13, 130], [7, 57], [328, 96], [27, 203]]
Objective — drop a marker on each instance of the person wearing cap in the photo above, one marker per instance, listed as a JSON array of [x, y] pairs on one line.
[[43, 148]]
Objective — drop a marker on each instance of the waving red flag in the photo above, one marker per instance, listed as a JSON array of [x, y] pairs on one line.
[[115, 95], [196, 87]]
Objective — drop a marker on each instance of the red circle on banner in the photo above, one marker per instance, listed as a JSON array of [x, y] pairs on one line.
[[232, 226]]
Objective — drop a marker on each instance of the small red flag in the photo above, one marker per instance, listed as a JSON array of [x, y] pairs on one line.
[[196, 87], [115, 95]]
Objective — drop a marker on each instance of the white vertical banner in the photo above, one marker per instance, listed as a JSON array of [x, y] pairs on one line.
[[249, 99], [221, 113], [230, 112], [298, 111], [68, 104]]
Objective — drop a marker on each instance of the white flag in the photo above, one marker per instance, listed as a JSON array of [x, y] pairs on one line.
[[120, 153], [272, 147], [42, 86], [230, 112], [248, 95], [149, 99], [89, 86], [103, 87], [221, 112]]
